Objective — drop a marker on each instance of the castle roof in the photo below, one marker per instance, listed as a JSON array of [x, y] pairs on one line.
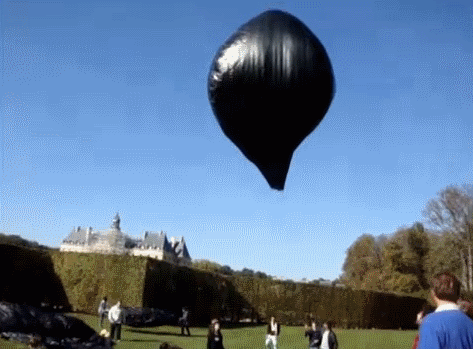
[[157, 240], [181, 249], [76, 236]]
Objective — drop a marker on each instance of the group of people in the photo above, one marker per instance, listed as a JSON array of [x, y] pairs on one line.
[[447, 326], [115, 316], [319, 338]]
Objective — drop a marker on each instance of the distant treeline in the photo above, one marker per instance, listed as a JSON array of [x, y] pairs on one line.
[[405, 261], [214, 267]]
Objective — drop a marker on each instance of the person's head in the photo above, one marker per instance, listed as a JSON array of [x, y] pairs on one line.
[[426, 310], [273, 320], [214, 327], [314, 325], [328, 325], [119, 304], [445, 287], [105, 298]]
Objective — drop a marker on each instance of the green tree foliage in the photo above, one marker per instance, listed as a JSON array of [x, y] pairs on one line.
[[404, 257], [246, 272], [204, 264], [389, 263], [226, 270], [443, 255], [261, 275], [363, 257]]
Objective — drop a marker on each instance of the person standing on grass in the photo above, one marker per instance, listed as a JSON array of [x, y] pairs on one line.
[[184, 321], [116, 316], [103, 310], [274, 329], [448, 327], [329, 339], [315, 335], [214, 338], [426, 310]]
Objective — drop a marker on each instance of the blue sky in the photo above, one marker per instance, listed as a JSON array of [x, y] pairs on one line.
[[104, 108]]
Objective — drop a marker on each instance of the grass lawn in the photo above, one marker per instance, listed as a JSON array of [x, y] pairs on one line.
[[245, 337]]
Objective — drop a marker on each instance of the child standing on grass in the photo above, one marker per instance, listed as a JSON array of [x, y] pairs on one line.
[[214, 338]]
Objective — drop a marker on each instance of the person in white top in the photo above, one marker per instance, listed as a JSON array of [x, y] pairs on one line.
[[329, 339], [272, 334], [115, 316]]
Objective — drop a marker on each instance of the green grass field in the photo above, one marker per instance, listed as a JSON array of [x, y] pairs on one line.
[[245, 337]]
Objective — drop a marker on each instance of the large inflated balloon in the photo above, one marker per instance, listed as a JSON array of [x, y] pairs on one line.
[[270, 85]]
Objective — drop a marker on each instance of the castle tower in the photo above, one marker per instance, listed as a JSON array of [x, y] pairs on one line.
[[116, 222], [116, 239]]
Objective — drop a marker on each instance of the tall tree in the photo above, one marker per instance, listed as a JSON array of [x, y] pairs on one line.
[[363, 258], [443, 255], [404, 257], [452, 211]]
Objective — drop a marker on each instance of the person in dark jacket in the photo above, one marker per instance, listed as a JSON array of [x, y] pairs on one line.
[[274, 329], [214, 338], [315, 335], [329, 339]]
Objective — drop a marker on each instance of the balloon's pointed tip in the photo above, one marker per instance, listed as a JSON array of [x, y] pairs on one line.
[[275, 172], [277, 186]]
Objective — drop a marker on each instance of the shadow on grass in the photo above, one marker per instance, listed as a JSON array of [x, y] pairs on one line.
[[163, 333], [230, 325]]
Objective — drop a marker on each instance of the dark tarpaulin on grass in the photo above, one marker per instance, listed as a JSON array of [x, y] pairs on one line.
[[19, 322], [146, 317]]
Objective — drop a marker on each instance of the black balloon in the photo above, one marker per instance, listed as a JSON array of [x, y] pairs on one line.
[[270, 85]]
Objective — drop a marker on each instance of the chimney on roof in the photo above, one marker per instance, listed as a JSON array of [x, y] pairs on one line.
[[146, 234], [78, 228]]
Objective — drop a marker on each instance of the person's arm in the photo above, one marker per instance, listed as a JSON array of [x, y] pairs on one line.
[[334, 342]]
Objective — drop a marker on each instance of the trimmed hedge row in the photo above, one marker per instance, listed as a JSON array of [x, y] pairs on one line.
[[81, 280], [294, 303]]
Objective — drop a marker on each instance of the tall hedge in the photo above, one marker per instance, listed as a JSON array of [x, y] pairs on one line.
[[81, 280], [87, 277]]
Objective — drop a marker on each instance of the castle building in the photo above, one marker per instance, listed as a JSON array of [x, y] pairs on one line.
[[114, 241]]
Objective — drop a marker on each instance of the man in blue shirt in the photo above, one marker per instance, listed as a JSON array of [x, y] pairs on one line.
[[448, 327]]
